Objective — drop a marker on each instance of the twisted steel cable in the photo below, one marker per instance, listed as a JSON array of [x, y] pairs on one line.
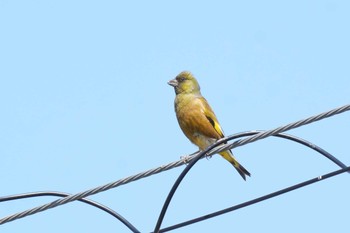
[[117, 183], [84, 200], [281, 129], [212, 149]]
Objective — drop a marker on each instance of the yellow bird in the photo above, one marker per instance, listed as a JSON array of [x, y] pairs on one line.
[[196, 118]]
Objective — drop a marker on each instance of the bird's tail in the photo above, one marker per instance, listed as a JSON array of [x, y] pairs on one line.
[[240, 169]]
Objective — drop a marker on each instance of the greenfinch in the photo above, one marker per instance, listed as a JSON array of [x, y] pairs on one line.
[[196, 118]]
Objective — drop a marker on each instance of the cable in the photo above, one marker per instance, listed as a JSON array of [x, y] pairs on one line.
[[209, 151], [84, 200], [256, 200], [108, 186], [294, 139], [281, 129], [131, 227]]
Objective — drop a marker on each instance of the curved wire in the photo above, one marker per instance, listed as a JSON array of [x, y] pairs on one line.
[[84, 200], [284, 128], [256, 200], [117, 183], [224, 140], [298, 140], [314, 147]]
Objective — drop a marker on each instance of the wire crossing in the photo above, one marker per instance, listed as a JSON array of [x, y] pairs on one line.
[[212, 149], [282, 129], [257, 200], [117, 183], [62, 194], [132, 228]]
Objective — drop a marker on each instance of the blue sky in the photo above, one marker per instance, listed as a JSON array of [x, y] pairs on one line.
[[84, 101]]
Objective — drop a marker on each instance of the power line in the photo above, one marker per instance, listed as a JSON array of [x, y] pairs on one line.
[[84, 200], [257, 200], [282, 129], [108, 186], [134, 230], [211, 149]]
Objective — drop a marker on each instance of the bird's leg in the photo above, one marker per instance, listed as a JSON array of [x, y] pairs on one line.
[[207, 156]]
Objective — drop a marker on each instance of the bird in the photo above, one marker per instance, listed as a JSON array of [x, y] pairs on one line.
[[196, 118]]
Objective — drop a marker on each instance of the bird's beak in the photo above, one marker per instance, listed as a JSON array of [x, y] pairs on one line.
[[173, 82]]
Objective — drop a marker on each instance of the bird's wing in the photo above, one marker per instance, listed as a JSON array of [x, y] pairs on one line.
[[213, 129], [210, 115]]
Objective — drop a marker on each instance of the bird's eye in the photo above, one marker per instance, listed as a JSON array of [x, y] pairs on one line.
[[181, 79]]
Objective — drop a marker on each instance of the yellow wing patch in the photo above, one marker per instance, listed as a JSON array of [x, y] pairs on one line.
[[215, 125], [209, 114]]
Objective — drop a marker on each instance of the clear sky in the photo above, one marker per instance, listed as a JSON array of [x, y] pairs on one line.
[[84, 101]]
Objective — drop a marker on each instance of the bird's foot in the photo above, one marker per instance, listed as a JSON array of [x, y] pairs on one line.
[[208, 156], [185, 158]]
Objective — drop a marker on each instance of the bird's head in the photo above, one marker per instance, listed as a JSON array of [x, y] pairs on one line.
[[185, 83]]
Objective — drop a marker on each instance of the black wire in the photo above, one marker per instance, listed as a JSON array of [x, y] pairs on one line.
[[259, 199], [224, 140], [201, 154], [178, 181], [84, 200], [300, 141]]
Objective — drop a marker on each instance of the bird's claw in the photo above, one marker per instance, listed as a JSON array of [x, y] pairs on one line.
[[208, 156], [185, 159]]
